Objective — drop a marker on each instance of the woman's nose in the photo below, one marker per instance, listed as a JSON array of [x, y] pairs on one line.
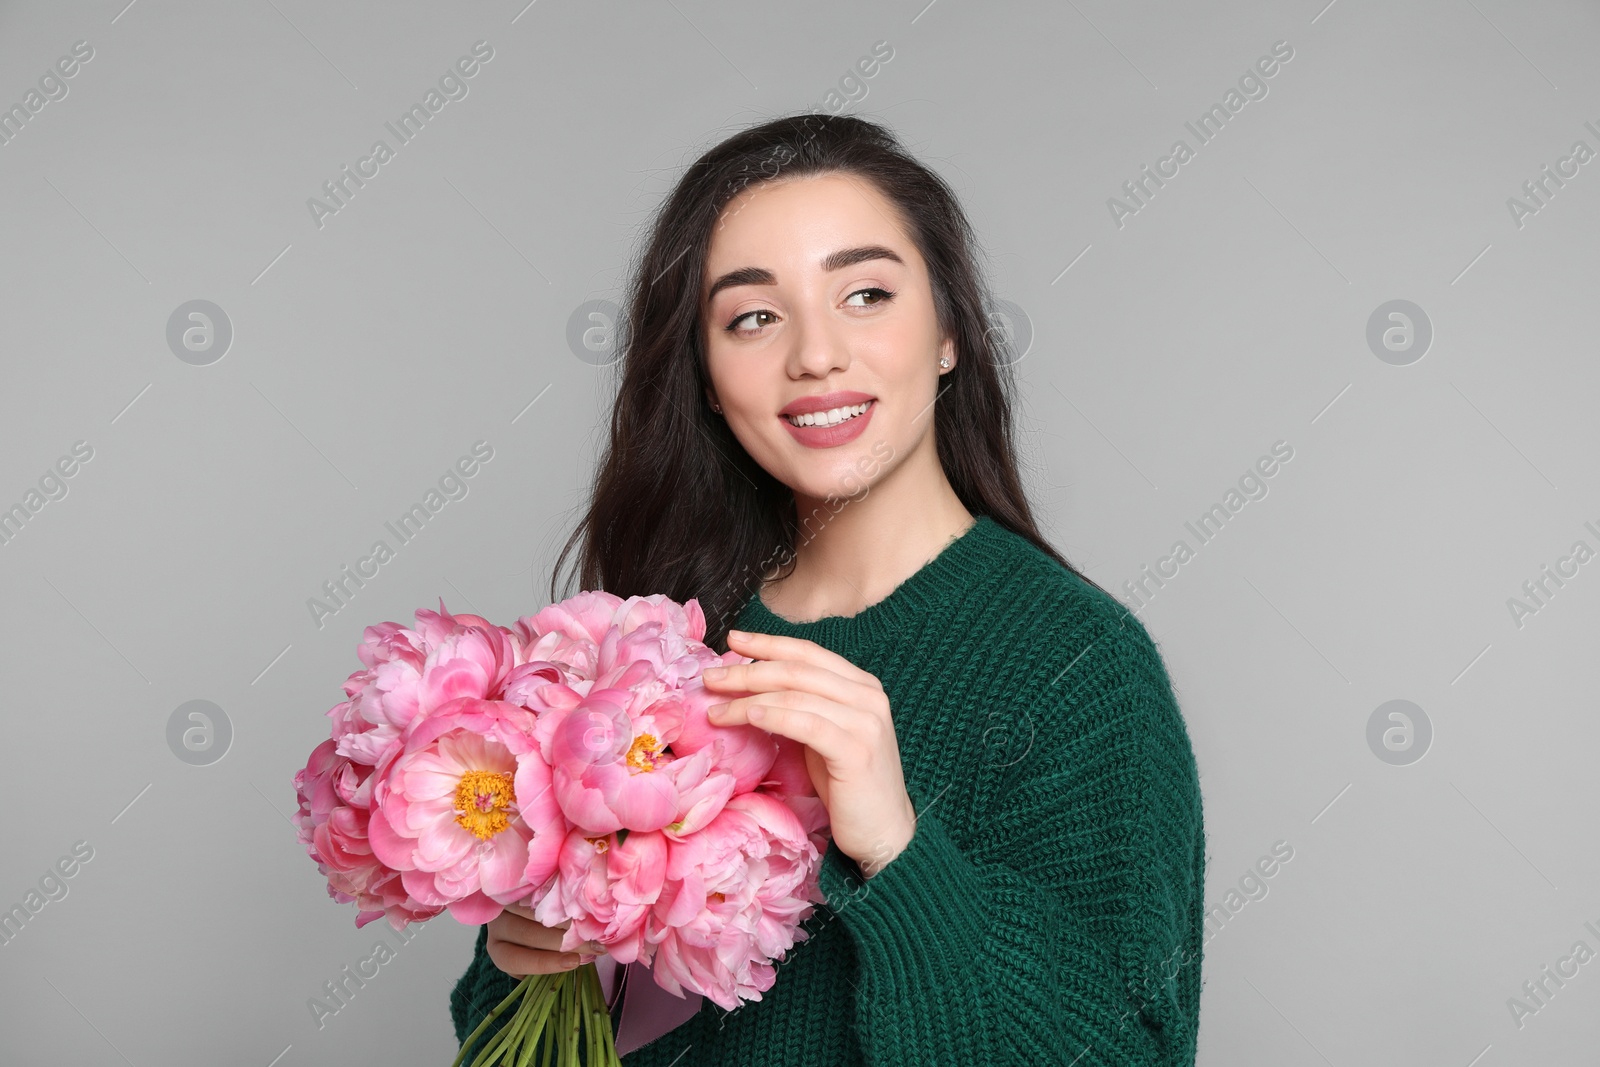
[[817, 350]]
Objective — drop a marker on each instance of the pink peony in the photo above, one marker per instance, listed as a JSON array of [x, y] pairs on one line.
[[331, 822], [606, 888], [450, 813], [734, 897], [412, 672], [613, 771], [566, 763], [745, 752]]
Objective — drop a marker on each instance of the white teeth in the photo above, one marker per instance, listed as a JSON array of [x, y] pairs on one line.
[[828, 418]]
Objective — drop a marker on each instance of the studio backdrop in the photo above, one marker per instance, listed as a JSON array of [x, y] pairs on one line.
[[1301, 302]]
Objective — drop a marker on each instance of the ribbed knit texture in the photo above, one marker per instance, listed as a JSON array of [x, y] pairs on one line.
[[1048, 909]]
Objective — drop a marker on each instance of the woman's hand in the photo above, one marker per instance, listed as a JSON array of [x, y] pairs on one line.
[[840, 713], [520, 945]]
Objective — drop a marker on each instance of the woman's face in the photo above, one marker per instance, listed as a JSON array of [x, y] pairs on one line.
[[819, 291]]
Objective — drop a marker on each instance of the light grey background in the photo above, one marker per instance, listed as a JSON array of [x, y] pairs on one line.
[[1168, 354]]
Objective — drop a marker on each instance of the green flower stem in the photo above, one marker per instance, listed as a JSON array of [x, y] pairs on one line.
[[535, 991], [564, 1015], [536, 1015], [491, 1017], [499, 1049], [529, 1038], [569, 1028]]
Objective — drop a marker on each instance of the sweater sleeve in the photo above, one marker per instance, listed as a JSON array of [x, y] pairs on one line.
[[1070, 931]]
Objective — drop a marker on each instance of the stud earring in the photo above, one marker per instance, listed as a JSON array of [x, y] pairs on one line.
[[944, 361], [716, 407]]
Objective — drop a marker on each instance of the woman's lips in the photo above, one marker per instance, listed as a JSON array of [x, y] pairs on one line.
[[831, 436]]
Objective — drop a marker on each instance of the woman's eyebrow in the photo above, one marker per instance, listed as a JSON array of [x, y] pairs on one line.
[[831, 262]]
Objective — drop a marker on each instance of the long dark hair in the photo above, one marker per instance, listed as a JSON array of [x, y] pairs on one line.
[[678, 506]]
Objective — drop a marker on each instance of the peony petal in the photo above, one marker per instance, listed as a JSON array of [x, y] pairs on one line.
[[474, 910]]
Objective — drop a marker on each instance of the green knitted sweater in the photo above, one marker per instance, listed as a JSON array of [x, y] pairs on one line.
[[1048, 909]]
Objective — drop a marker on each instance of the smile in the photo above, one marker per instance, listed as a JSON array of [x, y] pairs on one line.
[[832, 417]]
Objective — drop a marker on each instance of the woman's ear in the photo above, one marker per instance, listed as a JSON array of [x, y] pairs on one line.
[[947, 354]]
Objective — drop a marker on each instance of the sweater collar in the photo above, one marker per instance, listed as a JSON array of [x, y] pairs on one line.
[[932, 587]]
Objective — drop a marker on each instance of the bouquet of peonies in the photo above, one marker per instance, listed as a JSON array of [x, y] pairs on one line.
[[566, 764]]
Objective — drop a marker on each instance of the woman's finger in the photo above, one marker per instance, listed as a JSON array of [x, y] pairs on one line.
[[776, 646], [803, 717], [521, 946], [520, 927], [520, 961], [771, 676]]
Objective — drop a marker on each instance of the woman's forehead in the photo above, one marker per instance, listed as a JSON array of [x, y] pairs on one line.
[[763, 240]]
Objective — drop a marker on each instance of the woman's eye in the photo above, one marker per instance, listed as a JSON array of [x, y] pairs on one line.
[[733, 327], [884, 296], [880, 296]]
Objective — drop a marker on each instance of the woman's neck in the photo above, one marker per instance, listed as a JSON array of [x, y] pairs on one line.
[[849, 559]]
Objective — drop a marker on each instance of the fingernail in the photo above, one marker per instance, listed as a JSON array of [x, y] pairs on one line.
[[716, 712], [715, 673]]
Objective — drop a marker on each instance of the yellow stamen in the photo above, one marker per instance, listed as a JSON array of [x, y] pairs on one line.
[[485, 802], [644, 754]]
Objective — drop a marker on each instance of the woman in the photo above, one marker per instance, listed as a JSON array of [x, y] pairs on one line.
[[813, 437]]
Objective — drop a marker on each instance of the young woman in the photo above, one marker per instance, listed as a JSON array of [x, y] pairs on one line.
[[813, 436]]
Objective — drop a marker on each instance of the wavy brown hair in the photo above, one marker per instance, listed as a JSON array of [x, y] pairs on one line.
[[678, 506]]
